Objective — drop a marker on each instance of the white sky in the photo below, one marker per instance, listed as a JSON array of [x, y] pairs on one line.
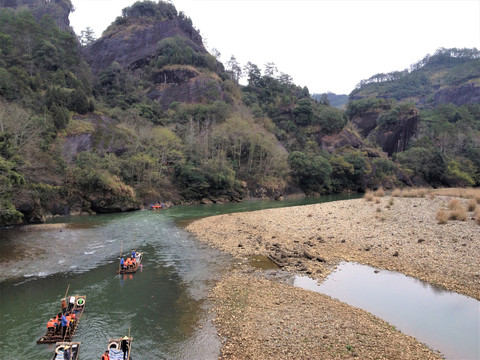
[[325, 45]]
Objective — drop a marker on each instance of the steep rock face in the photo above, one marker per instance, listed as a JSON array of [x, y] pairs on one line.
[[366, 123], [131, 46], [105, 137], [346, 138], [185, 86], [394, 138], [465, 94], [57, 9]]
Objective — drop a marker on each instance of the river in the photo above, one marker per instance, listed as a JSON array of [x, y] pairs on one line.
[[164, 306]]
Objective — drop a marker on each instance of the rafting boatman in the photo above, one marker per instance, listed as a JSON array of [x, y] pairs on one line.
[[67, 355], [124, 346], [122, 263], [105, 355], [65, 323], [134, 253], [64, 306]]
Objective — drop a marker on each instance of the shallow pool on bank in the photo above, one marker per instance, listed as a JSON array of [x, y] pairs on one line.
[[444, 320]]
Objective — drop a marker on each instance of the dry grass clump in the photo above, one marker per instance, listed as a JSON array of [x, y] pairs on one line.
[[397, 193], [390, 203], [454, 204], [472, 205], [473, 194], [369, 196], [457, 211], [476, 215], [442, 216], [417, 193], [469, 193], [411, 193], [380, 192]]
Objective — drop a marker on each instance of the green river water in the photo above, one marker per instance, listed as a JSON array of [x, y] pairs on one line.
[[164, 306]]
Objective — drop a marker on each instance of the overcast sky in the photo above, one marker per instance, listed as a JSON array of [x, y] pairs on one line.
[[325, 45]]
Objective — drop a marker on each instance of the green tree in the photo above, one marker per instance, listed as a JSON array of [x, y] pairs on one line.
[[87, 36], [429, 164], [312, 172]]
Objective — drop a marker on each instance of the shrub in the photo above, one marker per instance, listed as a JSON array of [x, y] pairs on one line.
[[369, 196], [454, 204], [476, 216], [397, 193], [458, 214], [472, 205], [442, 216], [380, 192]]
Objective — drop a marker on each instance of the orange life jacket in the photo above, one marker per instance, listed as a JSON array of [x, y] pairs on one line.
[[105, 357], [128, 262], [51, 323]]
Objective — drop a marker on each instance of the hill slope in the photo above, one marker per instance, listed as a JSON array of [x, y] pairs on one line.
[[448, 76]]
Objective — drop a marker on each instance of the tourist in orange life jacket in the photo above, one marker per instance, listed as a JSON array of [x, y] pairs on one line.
[[105, 355], [72, 319], [133, 261], [51, 324], [128, 263]]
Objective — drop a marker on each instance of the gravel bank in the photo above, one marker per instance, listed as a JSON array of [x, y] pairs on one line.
[[261, 318]]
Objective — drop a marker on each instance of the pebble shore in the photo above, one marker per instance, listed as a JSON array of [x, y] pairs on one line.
[[260, 317]]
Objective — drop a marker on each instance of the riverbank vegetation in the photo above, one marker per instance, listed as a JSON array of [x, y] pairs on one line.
[[73, 141]]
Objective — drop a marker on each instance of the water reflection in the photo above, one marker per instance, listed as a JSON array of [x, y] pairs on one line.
[[444, 320]]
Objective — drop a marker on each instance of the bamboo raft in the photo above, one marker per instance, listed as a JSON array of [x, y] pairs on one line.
[[115, 348], [60, 347], [138, 257], [52, 336]]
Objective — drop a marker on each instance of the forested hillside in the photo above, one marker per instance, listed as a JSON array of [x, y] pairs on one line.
[[146, 114]]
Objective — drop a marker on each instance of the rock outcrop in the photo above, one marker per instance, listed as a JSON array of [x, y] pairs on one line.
[[130, 47], [57, 9], [465, 94], [392, 138]]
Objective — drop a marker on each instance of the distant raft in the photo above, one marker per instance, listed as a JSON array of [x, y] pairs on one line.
[[60, 347], [115, 350], [53, 335], [134, 268]]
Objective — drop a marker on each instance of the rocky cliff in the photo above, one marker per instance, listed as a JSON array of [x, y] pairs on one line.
[[57, 9], [460, 95], [131, 47], [393, 137]]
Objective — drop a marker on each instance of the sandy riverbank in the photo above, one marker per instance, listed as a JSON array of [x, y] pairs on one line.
[[258, 315]]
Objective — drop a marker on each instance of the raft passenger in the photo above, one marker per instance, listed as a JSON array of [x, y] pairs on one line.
[[105, 355]]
